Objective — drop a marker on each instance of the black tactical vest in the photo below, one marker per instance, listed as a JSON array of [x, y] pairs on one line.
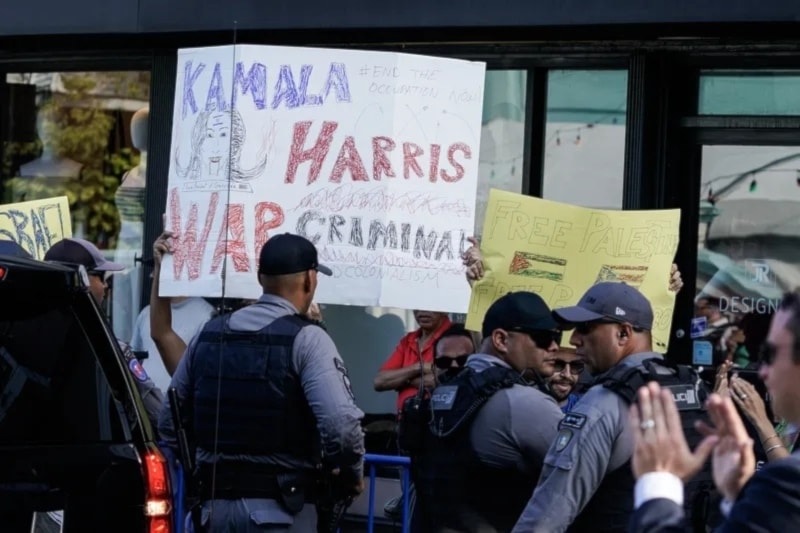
[[262, 408], [455, 490], [610, 508]]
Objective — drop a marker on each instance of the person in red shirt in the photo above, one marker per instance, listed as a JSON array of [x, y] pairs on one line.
[[411, 363], [409, 367]]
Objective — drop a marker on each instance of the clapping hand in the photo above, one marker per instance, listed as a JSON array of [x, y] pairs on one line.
[[659, 442]]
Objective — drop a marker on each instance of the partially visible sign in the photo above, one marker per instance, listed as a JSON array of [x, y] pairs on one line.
[[36, 225], [559, 250], [699, 326]]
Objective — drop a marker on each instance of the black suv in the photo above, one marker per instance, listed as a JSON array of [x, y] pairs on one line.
[[74, 436]]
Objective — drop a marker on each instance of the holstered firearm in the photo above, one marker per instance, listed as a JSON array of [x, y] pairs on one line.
[[333, 500], [184, 451], [186, 456]]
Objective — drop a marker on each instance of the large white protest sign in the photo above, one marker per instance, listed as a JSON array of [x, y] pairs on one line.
[[372, 156]]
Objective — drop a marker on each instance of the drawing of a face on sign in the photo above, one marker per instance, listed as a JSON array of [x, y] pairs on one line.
[[216, 136]]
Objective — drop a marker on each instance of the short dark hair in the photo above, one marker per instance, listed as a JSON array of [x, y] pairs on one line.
[[791, 303], [457, 329]]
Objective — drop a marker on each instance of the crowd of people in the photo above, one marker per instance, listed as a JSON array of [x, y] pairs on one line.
[[506, 428]]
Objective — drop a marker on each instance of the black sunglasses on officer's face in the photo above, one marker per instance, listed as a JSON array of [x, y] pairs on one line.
[[444, 362], [767, 353], [584, 328], [575, 367], [543, 338]]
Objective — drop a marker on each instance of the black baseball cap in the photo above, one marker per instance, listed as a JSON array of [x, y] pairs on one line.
[[610, 300], [288, 254], [518, 311], [81, 252]]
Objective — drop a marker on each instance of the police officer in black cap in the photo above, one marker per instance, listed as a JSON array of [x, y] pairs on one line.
[[266, 398], [490, 429]]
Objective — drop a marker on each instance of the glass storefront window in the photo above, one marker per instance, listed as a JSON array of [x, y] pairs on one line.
[[749, 92], [83, 135], [585, 137], [749, 247], [500, 167], [502, 137]]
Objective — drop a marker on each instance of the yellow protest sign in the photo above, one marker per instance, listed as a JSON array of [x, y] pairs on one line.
[[36, 225], [559, 250]]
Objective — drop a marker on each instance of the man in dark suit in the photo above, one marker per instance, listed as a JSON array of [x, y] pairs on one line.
[[767, 501]]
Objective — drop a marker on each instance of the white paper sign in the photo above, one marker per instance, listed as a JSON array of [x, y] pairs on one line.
[[372, 156]]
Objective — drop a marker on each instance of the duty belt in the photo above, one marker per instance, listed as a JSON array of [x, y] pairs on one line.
[[236, 480]]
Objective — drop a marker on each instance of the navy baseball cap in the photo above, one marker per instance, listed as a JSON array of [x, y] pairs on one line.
[[518, 311], [288, 254], [610, 300], [81, 252], [11, 248]]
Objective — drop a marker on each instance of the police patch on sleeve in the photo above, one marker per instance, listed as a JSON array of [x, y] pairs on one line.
[[345, 377], [563, 438], [137, 370], [573, 420]]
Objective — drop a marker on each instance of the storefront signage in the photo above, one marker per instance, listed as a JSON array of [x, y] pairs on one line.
[[372, 156]]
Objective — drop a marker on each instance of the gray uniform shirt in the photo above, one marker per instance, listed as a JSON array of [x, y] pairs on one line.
[[593, 440], [515, 427], [329, 394]]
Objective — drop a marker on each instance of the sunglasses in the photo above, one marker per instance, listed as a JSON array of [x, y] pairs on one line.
[[767, 353], [97, 274], [444, 362], [585, 328], [542, 337], [575, 367]]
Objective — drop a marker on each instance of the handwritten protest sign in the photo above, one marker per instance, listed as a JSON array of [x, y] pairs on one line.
[[372, 156], [558, 251], [36, 225]]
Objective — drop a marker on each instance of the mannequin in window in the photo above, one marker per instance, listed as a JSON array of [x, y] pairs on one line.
[[129, 199], [50, 164], [51, 174]]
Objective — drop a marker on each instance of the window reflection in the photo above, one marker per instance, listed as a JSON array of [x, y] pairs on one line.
[[748, 253], [585, 137], [749, 92], [502, 137], [83, 135]]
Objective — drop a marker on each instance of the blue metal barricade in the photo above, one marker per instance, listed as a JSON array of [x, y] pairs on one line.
[[177, 487], [373, 460]]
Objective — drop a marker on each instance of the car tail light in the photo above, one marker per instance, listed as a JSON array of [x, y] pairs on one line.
[[158, 497], [3, 271]]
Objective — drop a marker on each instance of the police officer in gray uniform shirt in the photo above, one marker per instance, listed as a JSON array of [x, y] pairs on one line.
[[587, 484], [285, 403], [83, 252], [490, 426]]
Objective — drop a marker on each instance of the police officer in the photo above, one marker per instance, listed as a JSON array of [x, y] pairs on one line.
[[282, 392], [490, 429], [82, 252], [587, 480]]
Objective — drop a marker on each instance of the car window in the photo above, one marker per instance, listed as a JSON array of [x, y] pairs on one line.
[[53, 389]]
